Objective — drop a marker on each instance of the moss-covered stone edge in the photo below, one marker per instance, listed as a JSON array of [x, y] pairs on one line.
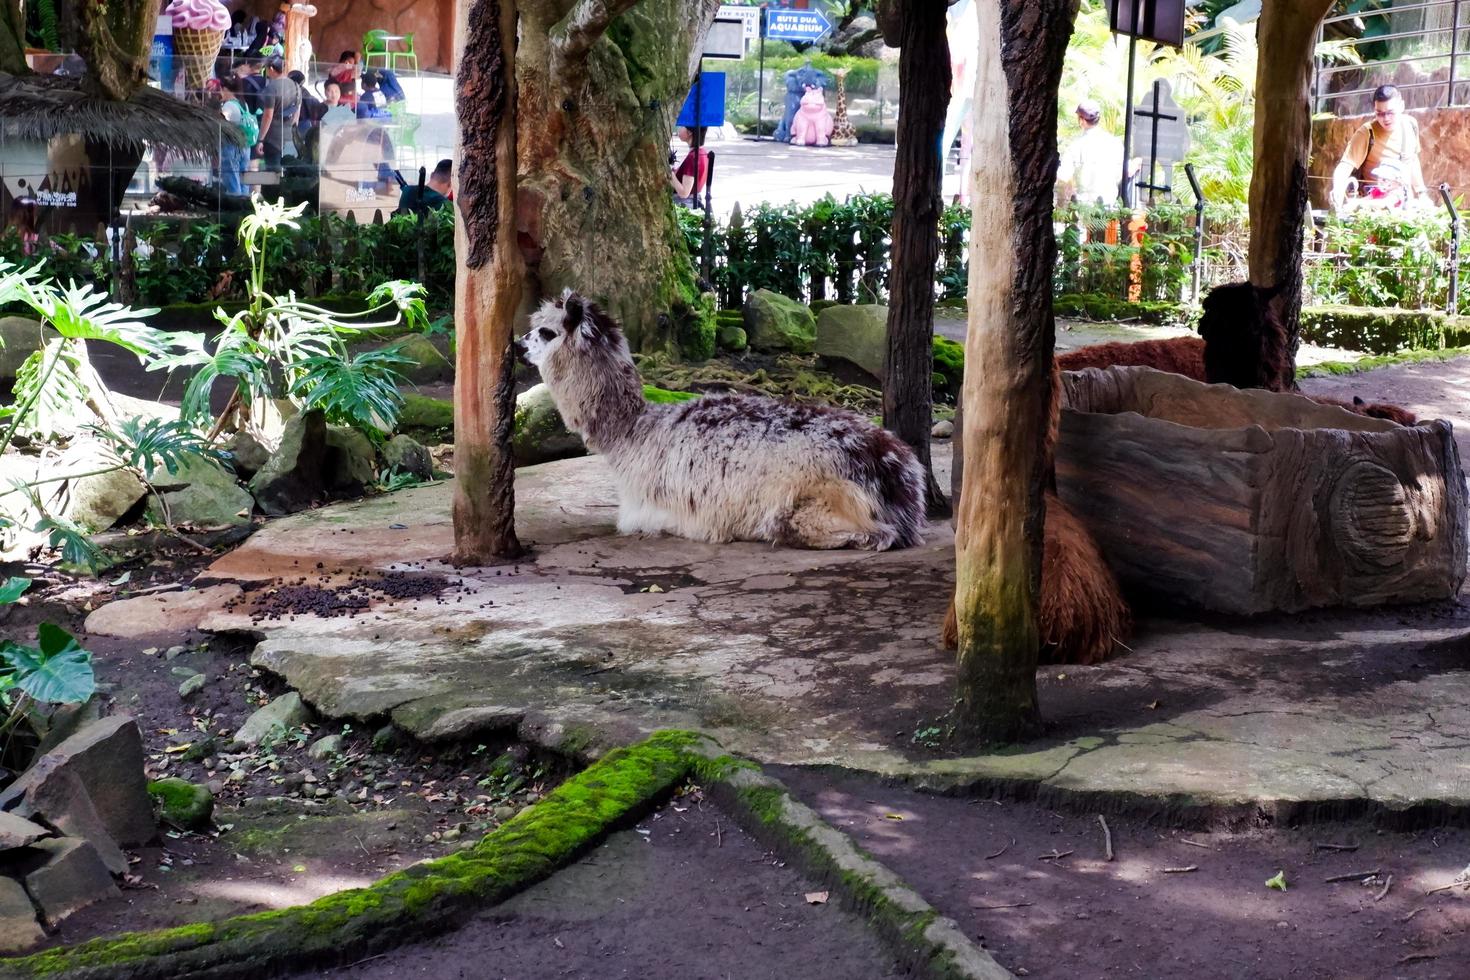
[[915, 933], [407, 905], [1328, 368]]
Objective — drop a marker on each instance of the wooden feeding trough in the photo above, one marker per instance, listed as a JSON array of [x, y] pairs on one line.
[[1254, 501]]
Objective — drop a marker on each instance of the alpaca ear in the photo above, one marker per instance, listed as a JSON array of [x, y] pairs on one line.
[[574, 312]]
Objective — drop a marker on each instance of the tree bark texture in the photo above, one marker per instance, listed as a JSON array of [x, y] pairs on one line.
[[908, 372], [1008, 355], [12, 38], [1287, 35], [489, 280], [601, 83], [115, 41]]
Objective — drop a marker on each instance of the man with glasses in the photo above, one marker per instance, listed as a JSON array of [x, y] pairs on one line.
[[1388, 143]]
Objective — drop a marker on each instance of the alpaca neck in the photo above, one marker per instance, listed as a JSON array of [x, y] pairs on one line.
[[601, 409]]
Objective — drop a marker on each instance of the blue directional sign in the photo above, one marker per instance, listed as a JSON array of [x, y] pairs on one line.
[[796, 25]]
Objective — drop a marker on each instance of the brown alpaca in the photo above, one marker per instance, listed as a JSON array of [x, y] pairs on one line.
[[1188, 356], [1082, 616]]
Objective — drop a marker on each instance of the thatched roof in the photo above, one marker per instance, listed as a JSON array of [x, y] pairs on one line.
[[42, 106]]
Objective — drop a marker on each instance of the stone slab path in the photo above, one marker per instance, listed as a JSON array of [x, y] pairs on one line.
[[832, 658]]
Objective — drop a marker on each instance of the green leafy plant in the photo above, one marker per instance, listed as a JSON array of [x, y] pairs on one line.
[[56, 670], [281, 347]]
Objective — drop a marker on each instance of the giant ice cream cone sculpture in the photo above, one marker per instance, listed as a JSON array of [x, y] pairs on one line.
[[298, 43], [199, 31]]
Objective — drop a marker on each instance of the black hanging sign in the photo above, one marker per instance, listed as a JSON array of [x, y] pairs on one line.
[[1157, 20]]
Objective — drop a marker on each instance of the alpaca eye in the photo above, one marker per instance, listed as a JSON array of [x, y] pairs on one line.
[[547, 334]]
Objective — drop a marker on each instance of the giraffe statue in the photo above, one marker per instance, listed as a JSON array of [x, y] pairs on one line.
[[842, 132]]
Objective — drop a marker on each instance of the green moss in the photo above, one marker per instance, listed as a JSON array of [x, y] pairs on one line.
[[182, 803], [412, 903], [426, 419], [1385, 360], [661, 396], [821, 304], [949, 368], [1094, 306], [1382, 331]]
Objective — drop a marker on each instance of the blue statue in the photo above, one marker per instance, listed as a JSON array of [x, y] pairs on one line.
[[798, 80]]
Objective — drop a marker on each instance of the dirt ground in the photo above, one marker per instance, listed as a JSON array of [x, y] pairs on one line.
[[1035, 888], [685, 895]]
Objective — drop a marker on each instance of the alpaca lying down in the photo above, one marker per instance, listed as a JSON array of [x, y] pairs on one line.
[[736, 468]]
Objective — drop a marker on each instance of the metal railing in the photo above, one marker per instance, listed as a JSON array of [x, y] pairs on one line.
[[1446, 55]]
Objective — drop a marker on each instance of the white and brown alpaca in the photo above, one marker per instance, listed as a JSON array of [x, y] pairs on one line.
[[738, 468]]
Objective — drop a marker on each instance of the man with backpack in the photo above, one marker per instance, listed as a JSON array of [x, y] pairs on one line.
[[1386, 144], [280, 107]]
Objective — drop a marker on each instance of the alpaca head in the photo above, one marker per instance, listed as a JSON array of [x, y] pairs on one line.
[[571, 331]]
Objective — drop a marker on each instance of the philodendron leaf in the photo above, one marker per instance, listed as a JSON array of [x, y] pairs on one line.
[[1278, 882], [59, 672], [11, 589]]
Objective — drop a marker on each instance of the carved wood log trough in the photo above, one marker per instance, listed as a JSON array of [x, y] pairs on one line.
[[1253, 501]]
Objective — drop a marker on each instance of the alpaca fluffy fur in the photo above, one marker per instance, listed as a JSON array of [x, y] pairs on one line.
[[724, 468]]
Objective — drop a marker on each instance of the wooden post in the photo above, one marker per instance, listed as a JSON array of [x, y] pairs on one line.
[[1287, 35], [908, 367], [1008, 355], [490, 274]]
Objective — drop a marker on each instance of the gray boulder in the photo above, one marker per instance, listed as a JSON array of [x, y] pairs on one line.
[[106, 757], [18, 926], [540, 435], [857, 335], [18, 832], [202, 493], [69, 878], [292, 479], [350, 461], [248, 454], [271, 722], [65, 803], [98, 501], [408, 456], [325, 747], [428, 364], [774, 323], [21, 338]]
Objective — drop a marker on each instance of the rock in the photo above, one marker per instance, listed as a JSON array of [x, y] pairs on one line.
[[202, 494], [386, 738], [215, 786], [293, 478], [430, 420], [428, 364], [271, 722], [776, 323], [248, 453], [540, 435], [96, 502], [176, 651], [407, 456], [192, 686], [325, 747], [20, 337], [18, 926], [182, 803], [856, 335], [943, 429], [17, 832], [106, 757], [64, 802], [71, 878], [350, 465], [731, 338], [146, 615]]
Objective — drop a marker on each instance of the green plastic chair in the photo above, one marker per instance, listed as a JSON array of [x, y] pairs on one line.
[[375, 45], [404, 129], [404, 54]]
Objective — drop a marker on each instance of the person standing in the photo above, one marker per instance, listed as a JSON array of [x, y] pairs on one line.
[[1386, 144], [282, 106], [689, 177], [1092, 166], [234, 159]]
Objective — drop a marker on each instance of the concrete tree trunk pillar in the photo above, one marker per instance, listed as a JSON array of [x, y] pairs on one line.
[[924, 77], [1287, 36], [1008, 355], [489, 278]]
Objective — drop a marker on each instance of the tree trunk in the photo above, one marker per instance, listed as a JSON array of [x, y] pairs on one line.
[[908, 370], [598, 98], [489, 278], [12, 38], [115, 41], [1287, 35], [1008, 354]]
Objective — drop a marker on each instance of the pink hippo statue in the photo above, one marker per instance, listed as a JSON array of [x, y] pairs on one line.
[[812, 125]]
